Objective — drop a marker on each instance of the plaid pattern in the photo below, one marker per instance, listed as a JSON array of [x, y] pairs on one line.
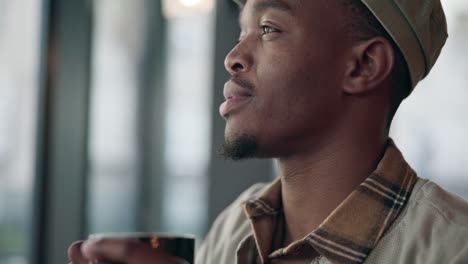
[[351, 231]]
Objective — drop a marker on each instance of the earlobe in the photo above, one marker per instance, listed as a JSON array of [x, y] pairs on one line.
[[370, 64]]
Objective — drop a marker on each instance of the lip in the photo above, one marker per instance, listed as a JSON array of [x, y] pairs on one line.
[[236, 97]]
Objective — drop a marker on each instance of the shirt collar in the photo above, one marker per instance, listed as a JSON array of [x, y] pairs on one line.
[[353, 229]]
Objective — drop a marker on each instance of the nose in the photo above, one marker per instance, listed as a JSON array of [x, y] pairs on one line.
[[238, 60]]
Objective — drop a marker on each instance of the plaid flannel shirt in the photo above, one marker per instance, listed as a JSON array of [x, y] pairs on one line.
[[391, 217]]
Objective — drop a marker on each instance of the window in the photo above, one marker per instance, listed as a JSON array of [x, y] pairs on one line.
[[190, 30], [19, 60], [119, 51], [431, 125], [118, 43]]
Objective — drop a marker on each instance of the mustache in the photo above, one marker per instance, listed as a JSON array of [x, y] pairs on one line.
[[242, 83]]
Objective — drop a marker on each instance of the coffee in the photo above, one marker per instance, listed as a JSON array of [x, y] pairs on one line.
[[180, 246]]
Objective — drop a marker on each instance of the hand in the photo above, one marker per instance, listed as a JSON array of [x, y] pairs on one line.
[[118, 250]]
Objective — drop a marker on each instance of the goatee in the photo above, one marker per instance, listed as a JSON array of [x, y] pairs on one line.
[[240, 147]]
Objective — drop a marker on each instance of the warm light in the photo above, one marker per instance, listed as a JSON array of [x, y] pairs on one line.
[[186, 8], [190, 3]]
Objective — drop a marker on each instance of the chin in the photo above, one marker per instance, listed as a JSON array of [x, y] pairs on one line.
[[239, 146]]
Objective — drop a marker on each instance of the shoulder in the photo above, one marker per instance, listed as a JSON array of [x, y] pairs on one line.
[[433, 228], [432, 206], [442, 203], [228, 230]]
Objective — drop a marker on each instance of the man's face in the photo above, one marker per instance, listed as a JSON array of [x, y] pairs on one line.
[[285, 94]]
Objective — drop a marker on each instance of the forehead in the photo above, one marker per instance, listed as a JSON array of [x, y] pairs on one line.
[[307, 15], [291, 3], [259, 6]]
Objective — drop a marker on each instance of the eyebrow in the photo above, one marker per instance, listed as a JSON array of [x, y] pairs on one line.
[[260, 7]]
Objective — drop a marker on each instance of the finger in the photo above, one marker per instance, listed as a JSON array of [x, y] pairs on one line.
[[122, 250], [75, 255]]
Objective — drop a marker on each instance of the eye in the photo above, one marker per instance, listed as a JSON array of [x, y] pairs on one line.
[[268, 30]]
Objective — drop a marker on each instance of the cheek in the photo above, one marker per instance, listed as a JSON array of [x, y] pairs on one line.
[[294, 96], [281, 102], [286, 82]]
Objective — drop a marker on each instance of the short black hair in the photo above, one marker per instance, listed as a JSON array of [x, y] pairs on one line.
[[360, 24]]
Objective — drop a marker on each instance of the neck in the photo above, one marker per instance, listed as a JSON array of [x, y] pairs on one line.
[[315, 183]]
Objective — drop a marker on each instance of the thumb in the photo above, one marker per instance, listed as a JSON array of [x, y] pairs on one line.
[[74, 253]]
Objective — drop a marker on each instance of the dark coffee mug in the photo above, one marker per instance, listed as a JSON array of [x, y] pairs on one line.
[[180, 246]]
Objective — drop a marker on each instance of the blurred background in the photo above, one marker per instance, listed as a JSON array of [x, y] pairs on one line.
[[109, 120]]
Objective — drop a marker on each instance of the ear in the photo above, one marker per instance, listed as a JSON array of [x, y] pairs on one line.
[[370, 64]]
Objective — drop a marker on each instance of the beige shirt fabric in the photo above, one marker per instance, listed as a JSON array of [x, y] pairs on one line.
[[420, 223]]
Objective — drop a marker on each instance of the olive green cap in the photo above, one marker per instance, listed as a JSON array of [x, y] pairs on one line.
[[418, 27]]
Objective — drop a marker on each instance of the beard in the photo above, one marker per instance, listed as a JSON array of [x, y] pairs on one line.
[[239, 147]]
